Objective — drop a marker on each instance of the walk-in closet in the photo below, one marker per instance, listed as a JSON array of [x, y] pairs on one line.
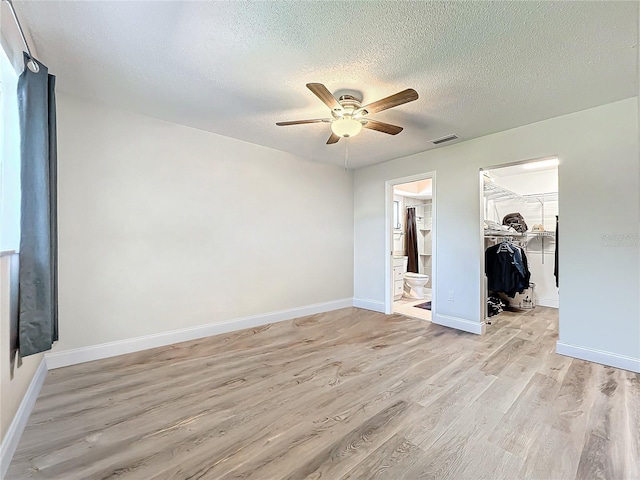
[[521, 218]]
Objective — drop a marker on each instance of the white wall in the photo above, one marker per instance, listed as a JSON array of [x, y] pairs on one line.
[[599, 181], [163, 227], [15, 373]]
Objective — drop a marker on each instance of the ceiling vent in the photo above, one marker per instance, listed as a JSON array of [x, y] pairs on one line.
[[446, 138]]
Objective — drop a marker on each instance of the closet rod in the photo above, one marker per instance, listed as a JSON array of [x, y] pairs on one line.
[[33, 66]]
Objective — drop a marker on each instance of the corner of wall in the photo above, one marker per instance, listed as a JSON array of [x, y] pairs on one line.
[[75, 356], [12, 437], [599, 356], [459, 324]]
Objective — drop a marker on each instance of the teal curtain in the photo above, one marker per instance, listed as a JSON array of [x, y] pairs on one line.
[[38, 303]]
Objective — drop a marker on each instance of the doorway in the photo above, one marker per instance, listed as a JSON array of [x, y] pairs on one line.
[[410, 265], [520, 221]]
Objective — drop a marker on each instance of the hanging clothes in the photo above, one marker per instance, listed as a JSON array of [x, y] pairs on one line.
[[412, 241], [507, 268]]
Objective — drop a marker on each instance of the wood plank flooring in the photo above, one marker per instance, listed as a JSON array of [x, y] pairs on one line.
[[349, 394]]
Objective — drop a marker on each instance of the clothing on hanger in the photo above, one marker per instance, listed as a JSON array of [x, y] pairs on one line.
[[507, 268]]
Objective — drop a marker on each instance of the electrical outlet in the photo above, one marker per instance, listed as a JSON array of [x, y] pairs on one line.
[[450, 296]]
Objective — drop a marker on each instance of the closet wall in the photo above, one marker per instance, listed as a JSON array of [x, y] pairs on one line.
[[539, 249]]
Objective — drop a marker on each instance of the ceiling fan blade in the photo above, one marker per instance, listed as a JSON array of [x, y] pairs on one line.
[[300, 122], [333, 139], [405, 96], [325, 95], [382, 127]]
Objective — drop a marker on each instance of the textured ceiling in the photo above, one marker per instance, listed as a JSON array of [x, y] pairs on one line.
[[236, 68]]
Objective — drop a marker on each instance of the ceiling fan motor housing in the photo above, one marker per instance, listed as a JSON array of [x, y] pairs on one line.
[[349, 104]]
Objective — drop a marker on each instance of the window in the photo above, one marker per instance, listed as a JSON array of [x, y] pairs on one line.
[[396, 215], [9, 157]]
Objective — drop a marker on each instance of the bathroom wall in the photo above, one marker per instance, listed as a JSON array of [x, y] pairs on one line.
[[426, 236], [398, 234], [424, 223], [424, 217]]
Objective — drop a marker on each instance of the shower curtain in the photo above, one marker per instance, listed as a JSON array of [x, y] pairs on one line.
[[411, 237], [38, 303]]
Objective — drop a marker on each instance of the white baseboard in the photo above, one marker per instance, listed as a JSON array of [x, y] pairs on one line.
[[548, 302], [12, 437], [367, 304], [130, 345], [459, 324], [598, 356]]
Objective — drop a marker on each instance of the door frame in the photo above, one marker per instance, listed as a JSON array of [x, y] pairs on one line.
[[483, 277], [388, 251]]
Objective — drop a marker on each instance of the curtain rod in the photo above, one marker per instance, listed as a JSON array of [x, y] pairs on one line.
[[33, 66]]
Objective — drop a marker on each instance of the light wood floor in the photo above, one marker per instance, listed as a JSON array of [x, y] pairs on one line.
[[349, 394], [405, 306]]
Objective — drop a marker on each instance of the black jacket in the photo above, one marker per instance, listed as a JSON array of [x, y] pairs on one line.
[[507, 269]]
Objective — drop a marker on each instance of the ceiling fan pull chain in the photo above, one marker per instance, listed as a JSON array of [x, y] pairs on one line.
[[346, 153]]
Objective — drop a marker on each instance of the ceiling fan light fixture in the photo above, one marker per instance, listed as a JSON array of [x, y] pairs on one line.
[[349, 116], [346, 127]]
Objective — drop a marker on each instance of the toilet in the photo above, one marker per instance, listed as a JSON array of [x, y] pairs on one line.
[[414, 284]]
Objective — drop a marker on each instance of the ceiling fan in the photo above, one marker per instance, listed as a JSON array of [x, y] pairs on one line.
[[349, 116]]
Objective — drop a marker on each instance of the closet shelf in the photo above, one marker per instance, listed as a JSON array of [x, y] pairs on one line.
[[546, 234], [503, 234], [497, 194]]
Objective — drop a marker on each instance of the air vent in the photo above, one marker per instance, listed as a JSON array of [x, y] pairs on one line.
[[444, 139]]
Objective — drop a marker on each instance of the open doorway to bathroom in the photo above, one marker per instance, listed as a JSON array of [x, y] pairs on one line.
[[412, 247]]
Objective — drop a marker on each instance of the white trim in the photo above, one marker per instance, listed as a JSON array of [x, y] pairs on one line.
[[367, 304], [129, 345], [548, 302], [12, 437], [484, 292], [459, 324], [599, 356]]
